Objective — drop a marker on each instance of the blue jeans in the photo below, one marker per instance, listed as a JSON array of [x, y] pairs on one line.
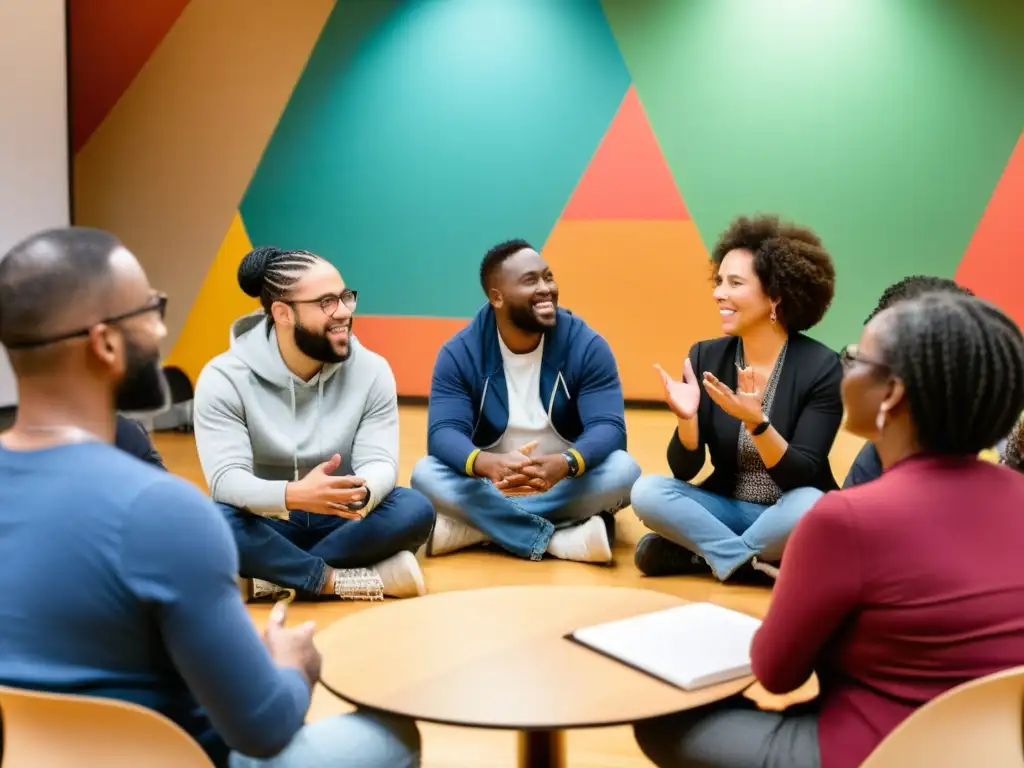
[[726, 532], [358, 740], [523, 525], [296, 552]]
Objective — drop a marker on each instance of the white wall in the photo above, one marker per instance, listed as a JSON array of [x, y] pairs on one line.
[[33, 130]]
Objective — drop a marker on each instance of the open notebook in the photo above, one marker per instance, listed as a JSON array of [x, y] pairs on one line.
[[692, 646]]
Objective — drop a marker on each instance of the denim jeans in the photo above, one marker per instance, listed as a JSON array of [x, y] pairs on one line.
[[296, 552], [357, 740], [733, 733], [523, 524], [726, 532]]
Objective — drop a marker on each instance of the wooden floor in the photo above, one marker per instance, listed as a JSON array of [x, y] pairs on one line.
[[449, 747]]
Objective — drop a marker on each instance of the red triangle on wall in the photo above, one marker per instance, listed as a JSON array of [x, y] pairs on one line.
[[992, 266], [627, 177]]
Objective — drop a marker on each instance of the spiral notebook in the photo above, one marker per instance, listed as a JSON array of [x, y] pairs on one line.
[[692, 646]]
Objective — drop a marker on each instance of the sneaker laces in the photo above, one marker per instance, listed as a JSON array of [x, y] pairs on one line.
[[358, 584]]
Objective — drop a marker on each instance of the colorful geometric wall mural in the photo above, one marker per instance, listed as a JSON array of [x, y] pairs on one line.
[[401, 139]]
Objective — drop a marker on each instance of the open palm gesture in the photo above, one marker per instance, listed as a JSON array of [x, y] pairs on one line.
[[683, 397], [746, 403]]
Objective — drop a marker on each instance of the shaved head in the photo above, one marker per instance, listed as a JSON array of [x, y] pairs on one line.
[[54, 282], [77, 301]]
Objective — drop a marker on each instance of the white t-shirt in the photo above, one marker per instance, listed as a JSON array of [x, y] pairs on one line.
[[527, 414]]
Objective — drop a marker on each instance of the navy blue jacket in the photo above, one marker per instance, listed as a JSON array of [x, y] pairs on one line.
[[579, 386]]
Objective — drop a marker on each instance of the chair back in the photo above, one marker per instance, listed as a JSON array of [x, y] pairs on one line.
[[977, 723], [58, 730]]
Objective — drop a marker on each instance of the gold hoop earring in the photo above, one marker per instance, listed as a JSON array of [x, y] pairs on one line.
[[772, 317]]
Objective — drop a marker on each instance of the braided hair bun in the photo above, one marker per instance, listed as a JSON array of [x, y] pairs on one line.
[[253, 269]]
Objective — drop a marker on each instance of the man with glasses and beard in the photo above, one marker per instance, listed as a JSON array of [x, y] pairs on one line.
[[527, 430], [118, 579], [297, 430]]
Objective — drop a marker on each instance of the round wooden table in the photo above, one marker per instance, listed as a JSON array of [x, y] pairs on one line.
[[499, 658]]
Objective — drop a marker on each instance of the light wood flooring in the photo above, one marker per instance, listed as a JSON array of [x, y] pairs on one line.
[[449, 747]]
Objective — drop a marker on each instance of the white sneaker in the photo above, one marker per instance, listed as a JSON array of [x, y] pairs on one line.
[[449, 535], [258, 589], [401, 576], [584, 543]]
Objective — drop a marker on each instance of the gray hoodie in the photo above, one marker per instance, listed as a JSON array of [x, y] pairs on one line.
[[258, 426]]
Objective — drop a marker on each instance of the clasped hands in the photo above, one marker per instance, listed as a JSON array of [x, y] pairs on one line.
[[322, 493], [745, 404], [519, 472]]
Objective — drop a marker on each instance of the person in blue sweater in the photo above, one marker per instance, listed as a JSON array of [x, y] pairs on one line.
[[119, 578], [867, 465], [526, 435]]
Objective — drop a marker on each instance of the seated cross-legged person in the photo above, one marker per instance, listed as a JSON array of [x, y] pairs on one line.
[[763, 399], [867, 465], [297, 430], [527, 431], [895, 591], [141, 604]]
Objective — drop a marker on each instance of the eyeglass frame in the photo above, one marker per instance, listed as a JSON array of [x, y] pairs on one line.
[[157, 303], [338, 297], [849, 355]]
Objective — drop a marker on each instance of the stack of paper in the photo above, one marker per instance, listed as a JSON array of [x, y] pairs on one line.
[[692, 646]]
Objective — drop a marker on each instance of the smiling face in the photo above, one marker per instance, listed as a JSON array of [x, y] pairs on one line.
[[525, 289], [742, 302], [318, 311]]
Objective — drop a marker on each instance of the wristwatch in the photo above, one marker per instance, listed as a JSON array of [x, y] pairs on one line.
[[574, 466], [761, 428]]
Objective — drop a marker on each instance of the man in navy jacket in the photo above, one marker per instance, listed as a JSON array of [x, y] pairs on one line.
[[526, 438]]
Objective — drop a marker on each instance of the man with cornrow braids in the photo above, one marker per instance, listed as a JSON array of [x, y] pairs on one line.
[[297, 430], [895, 591]]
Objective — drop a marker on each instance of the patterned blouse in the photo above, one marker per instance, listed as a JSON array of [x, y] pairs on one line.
[[753, 483]]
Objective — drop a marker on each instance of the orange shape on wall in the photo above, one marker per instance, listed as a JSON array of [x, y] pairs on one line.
[[643, 285], [992, 266], [627, 178]]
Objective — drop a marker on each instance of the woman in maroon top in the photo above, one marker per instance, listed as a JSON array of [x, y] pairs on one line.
[[902, 588]]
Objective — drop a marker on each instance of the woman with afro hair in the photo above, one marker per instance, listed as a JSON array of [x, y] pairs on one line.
[[763, 399]]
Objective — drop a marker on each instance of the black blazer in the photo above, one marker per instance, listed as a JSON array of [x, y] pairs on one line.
[[807, 412]]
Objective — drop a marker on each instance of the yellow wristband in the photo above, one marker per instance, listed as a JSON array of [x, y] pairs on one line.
[[579, 460], [471, 460]]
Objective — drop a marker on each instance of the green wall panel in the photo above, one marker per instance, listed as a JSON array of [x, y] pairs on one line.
[[421, 133], [882, 124]]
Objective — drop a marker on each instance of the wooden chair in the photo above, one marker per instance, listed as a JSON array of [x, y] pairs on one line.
[[56, 730], [977, 723]]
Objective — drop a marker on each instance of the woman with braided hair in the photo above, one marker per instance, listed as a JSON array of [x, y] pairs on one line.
[[897, 590]]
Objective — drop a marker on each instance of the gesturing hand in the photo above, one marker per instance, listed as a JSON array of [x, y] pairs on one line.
[[540, 474], [292, 647], [683, 397], [322, 493], [745, 403]]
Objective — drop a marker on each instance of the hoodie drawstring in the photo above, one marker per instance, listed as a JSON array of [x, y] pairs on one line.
[[295, 450]]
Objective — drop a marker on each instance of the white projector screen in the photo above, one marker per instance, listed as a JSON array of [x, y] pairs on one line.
[[34, 174]]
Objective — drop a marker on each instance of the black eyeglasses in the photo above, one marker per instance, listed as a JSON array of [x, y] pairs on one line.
[[851, 354], [158, 303], [329, 302]]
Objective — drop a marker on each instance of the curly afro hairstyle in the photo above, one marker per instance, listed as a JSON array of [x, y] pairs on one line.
[[913, 286], [791, 264]]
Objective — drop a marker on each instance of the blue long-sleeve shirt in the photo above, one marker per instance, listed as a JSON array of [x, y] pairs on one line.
[[118, 580]]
